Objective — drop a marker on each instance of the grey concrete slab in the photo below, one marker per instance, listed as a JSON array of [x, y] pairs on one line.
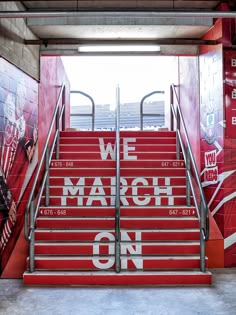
[[218, 299]]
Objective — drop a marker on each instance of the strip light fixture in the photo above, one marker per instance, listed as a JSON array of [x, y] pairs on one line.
[[119, 48]]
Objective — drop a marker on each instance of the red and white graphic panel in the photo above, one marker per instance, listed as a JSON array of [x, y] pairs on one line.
[[18, 143], [230, 93]]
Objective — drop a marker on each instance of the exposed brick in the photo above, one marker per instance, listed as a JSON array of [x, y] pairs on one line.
[[12, 48]]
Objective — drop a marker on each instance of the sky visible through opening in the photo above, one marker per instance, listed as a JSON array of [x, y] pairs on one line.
[[136, 76]]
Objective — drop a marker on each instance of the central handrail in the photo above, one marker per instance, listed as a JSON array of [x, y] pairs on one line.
[[117, 198], [142, 114], [31, 210], [202, 209], [93, 107]]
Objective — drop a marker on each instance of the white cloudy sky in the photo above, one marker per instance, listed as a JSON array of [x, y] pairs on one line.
[[136, 76]]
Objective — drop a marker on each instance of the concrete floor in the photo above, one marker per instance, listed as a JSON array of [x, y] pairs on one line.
[[220, 298]]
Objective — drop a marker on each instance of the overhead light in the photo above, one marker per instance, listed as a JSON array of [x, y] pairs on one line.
[[118, 48]]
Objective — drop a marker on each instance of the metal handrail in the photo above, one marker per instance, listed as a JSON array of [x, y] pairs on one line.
[[190, 162], [117, 198], [31, 210], [93, 107], [141, 107]]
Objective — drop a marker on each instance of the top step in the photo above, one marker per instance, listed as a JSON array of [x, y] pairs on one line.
[[128, 133]]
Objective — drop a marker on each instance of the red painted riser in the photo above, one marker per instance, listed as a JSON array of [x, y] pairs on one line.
[[158, 211], [104, 278], [63, 212], [127, 134], [170, 226], [106, 181], [109, 223], [65, 165], [166, 164], [154, 147], [95, 141], [111, 191], [87, 249], [155, 235], [86, 263], [110, 201], [112, 172], [92, 172], [124, 211], [97, 156]]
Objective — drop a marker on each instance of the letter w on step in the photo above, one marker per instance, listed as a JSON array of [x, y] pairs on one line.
[[106, 150]]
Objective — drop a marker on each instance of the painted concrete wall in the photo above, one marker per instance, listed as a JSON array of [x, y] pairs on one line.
[[18, 150], [228, 202], [42, 97], [52, 77], [218, 150], [189, 100], [12, 35]]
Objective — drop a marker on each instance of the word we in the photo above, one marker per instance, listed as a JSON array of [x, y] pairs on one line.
[[109, 150]]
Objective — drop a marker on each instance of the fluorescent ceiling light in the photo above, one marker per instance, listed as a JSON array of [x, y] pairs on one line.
[[118, 48]]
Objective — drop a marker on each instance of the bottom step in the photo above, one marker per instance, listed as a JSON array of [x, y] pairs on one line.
[[167, 278]]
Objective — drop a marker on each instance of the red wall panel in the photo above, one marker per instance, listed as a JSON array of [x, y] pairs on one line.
[[218, 131], [230, 157], [44, 101], [52, 76], [189, 100], [18, 150], [230, 93]]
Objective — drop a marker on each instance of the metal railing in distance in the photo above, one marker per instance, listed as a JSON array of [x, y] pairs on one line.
[[117, 198], [142, 114], [192, 176], [92, 114], [32, 207]]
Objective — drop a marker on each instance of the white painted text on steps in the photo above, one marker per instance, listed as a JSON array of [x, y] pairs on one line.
[[99, 194]]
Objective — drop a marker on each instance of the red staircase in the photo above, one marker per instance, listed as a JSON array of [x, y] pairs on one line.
[[75, 234]]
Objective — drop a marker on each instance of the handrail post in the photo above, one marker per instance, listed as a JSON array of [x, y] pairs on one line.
[[32, 238], [47, 179], [117, 200], [202, 240], [93, 115], [171, 113], [188, 187], [177, 139], [93, 107], [57, 128], [202, 209], [63, 124], [141, 115], [31, 210]]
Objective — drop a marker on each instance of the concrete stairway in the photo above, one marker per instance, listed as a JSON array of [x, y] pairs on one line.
[[75, 235]]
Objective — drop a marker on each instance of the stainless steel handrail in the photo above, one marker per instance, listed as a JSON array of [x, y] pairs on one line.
[[190, 162], [93, 107], [117, 198], [31, 210], [141, 107]]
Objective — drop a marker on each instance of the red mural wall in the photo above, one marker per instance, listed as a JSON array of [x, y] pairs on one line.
[[211, 137], [52, 77], [18, 150], [228, 203], [189, 100], [189, 94], [218, 121]]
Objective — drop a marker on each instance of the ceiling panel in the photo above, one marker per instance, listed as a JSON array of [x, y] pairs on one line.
[[120, 31], [99, 26]]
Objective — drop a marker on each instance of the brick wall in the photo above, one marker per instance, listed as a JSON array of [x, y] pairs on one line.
[[12, 35]]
